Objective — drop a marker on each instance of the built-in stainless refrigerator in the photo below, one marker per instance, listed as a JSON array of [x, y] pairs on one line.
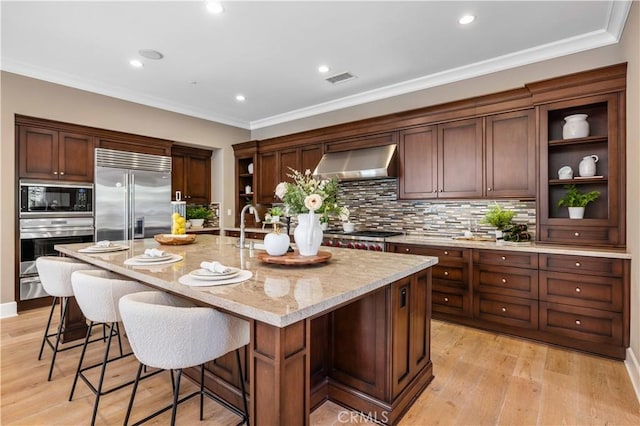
[[132, 195]]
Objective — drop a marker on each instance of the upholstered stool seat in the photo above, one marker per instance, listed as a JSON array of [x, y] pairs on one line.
[[98, 293], [55, 276], [171, 333]]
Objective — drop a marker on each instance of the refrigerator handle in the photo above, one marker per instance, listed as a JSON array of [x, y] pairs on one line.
[[132, 205]]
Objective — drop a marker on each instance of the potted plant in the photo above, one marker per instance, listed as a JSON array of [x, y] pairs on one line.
[[498, 217], [275, 212], [197, 214], [576, 201]]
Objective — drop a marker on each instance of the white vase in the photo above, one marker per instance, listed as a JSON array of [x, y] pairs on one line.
[[576, 212], [276, 243], [308, 234], [324, 226], [498, 234], [587, 166], [575, 126], [197, 222]]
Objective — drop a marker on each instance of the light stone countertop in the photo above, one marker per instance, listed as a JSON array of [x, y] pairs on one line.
[[531, 247], [277, 295]]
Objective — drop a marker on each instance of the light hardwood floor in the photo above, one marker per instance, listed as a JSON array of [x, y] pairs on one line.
[[481, 378]]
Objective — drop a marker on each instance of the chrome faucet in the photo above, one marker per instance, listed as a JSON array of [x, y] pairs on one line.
[[242, 224]]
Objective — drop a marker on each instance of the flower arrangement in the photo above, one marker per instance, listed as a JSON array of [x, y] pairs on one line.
[[498, 217], [308, 194]]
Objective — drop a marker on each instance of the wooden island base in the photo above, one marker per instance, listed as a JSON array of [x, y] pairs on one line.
[[371, 356]]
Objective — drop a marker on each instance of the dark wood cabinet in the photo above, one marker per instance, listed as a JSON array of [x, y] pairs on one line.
[[442, 161], [134, 143], [45, 153], [191, 174], [510, 155], [268, 177], [245, 174], [600, 95]]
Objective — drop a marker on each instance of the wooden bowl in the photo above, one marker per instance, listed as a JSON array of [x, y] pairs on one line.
[[175, 240]]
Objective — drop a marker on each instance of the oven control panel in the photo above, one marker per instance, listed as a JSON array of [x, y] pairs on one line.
[[354, 244]]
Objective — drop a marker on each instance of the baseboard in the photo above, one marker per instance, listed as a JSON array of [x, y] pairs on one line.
[[633, 368], [9, 309]]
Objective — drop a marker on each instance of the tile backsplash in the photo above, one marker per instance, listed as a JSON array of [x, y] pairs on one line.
[[374, 205]]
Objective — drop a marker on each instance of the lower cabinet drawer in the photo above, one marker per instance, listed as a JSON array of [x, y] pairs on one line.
[[451, 303], [452, 276], [517, 282], [506, 310], [585, 324], [587, 291], [582, 264], [578, 235]]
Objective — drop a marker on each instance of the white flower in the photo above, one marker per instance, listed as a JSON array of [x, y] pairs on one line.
[[281, 189], [313, 202], [344, 214]]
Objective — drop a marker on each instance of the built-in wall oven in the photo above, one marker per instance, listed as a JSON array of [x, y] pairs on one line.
[[50, 213]]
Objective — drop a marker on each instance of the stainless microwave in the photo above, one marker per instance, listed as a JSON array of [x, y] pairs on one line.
[[55, 199]]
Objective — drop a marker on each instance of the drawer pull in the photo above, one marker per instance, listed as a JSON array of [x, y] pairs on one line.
[[407, 250], [504, 281], [577, 234], [578, 322], [446, 299], [446, 253], [578, 289], [578, 264], [446, 273], [503, 257], [504, 309]]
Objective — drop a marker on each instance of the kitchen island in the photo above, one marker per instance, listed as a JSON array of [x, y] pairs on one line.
[[354, 330]]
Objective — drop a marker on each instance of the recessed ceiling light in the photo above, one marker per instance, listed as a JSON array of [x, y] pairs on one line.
[[240, 98], [136, 63], [466, 19], [214, 7], [323, 69], [150, 54]]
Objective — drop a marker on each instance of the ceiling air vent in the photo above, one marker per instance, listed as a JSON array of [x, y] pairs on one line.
[[340, 78]]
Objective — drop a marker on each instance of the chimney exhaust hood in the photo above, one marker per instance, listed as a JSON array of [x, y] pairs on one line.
[[367, 163]]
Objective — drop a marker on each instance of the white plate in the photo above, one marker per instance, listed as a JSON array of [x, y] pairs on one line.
[[204, 274], [98, 249], [146, 258]]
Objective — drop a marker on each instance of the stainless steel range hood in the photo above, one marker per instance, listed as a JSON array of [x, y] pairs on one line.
[[358, 164]]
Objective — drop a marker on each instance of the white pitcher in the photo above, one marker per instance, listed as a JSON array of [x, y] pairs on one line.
[[588, 165]]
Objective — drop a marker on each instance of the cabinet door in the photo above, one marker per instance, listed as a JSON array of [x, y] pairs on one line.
[[198, 179], [178, 176], [75, 157], [460, 159], [288, 160], [511, 155], [310, 157], [267, 177], [38, 152], [418, 165]]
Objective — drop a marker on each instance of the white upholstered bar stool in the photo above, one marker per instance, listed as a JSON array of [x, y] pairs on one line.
[[55, 276], [171, 333], [98, 293]]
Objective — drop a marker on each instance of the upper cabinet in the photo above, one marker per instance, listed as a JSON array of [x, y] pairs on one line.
[[56, 155], [245, 184], [191, 174], [441, 161], [510, 155], [603, 222]]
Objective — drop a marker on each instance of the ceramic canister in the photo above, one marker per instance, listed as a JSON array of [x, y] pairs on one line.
[[575, 126]]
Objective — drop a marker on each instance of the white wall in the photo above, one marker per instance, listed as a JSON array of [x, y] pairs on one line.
[[628, 50], [36, 98]]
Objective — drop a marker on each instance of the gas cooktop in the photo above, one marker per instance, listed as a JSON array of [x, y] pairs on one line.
[[365, 233]]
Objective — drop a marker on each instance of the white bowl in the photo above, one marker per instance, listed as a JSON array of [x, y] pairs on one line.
[[348, 227]]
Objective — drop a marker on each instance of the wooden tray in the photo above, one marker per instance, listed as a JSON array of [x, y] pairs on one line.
[[175, 240], [294, 258]]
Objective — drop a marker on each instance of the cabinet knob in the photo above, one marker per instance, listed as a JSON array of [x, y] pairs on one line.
[[578, 264], [446, 273], [503, 257], [578, 322], [489, 189], [504, 281], [577, 234], [55, 173], [407, 250], [446, 252], [446, 299], [578, 289], [504, 309], [61, 173]]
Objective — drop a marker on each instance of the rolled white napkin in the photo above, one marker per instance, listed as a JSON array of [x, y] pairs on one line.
[[104, 243], [154, 252], [215, 267]]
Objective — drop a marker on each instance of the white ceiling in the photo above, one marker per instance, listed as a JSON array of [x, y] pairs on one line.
[[270, 51]]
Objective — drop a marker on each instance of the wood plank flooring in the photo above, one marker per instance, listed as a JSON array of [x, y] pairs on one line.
[[481, 378]]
